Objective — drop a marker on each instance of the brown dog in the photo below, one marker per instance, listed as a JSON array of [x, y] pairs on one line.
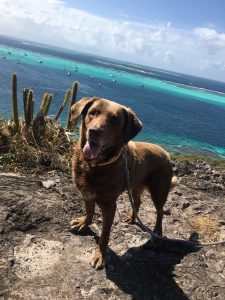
[[98, 166]]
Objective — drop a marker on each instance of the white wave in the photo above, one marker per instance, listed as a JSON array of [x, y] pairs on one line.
[[167, 72], [192, 87], [103, 62]]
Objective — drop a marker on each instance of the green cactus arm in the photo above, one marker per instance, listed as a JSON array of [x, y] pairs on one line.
[[44, 103], [29, 108], [73, 100], [48, 104], [14, 102], [67, 95]]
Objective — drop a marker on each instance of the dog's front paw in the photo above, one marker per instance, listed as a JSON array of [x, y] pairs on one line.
[[97, 261], [80, 224], [130, 219]]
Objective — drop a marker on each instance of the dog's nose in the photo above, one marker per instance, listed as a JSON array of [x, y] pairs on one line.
[[94, 132]]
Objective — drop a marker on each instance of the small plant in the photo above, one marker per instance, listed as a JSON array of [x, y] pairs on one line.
[[7, 159], [206, 227], [38, 142], [216, 162]]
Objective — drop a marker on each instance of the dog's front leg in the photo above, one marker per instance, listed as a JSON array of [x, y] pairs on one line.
[[80, 224], [108, 212]]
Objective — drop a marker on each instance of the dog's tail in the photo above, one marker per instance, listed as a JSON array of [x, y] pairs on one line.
[[174, 182]]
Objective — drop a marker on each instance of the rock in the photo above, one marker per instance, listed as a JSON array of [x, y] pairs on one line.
[[178, 193], [220, 266], [48, 183], [216, 173], [207, 169], [185, 204], [205, 176], [210, 254], [194, 237], [200, 208], [223, 177], [167, 212], [182, 169], [43, 260], [221, 222]]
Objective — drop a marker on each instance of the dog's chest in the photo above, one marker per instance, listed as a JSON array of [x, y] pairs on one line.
[[98, 181]]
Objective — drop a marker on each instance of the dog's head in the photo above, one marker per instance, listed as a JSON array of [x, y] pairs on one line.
[[105, 125]]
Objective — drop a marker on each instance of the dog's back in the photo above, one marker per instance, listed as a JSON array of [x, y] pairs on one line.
[[148, 160]]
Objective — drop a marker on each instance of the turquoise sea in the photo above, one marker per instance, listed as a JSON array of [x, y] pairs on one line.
[[183, 113]]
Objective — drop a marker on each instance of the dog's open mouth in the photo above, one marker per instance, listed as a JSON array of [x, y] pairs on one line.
[[92, 150]]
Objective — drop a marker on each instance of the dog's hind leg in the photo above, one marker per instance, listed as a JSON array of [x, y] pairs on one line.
[[159, 190], [81, 224]]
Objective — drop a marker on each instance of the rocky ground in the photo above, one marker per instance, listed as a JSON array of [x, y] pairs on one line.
[[41, 259]]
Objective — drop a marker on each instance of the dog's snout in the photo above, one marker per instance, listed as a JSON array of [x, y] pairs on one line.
[[94, 132]]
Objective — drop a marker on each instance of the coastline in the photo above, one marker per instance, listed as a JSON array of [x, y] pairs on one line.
[[179, 122]]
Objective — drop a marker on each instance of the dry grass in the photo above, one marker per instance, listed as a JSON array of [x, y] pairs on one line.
[[216, 162], [206, 228], [52, 150]]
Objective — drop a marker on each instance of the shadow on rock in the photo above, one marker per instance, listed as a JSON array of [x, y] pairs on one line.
[[146, 272], [87, 232]]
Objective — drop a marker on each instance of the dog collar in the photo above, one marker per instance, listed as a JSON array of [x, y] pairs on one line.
[[112, 160]]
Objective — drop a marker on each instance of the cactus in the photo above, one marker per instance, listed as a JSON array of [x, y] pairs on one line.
[[73, 100], [32, 110], [43, 103], [25, 97], [48, 103], [28, 103], [67, 95], [29, 116], [25, 93], [14, 102], [39, 126]]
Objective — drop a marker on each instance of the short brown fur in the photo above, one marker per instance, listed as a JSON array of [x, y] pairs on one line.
[[101, 183]]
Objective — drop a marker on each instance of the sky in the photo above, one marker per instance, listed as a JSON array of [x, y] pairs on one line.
[[186, 36]]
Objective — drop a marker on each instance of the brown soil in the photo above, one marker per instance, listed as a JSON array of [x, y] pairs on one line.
[[41, 259]]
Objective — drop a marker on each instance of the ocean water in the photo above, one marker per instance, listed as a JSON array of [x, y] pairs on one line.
[[184, 114]]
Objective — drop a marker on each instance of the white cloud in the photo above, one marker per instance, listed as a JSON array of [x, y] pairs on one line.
[[210, 39], [210, 34], [159, 45]]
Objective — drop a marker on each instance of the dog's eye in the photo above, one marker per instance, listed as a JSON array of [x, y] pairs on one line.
[[114, 120], [93, 112]]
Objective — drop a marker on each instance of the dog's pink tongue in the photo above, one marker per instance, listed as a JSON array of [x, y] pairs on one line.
[[91, 150]]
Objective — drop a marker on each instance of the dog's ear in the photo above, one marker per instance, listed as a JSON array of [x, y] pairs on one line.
[[81, 108], [132, 126]]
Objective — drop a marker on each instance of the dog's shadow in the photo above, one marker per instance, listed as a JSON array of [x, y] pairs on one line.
[[146, 272]]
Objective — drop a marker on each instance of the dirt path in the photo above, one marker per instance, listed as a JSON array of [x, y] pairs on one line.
[[41, 259]]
